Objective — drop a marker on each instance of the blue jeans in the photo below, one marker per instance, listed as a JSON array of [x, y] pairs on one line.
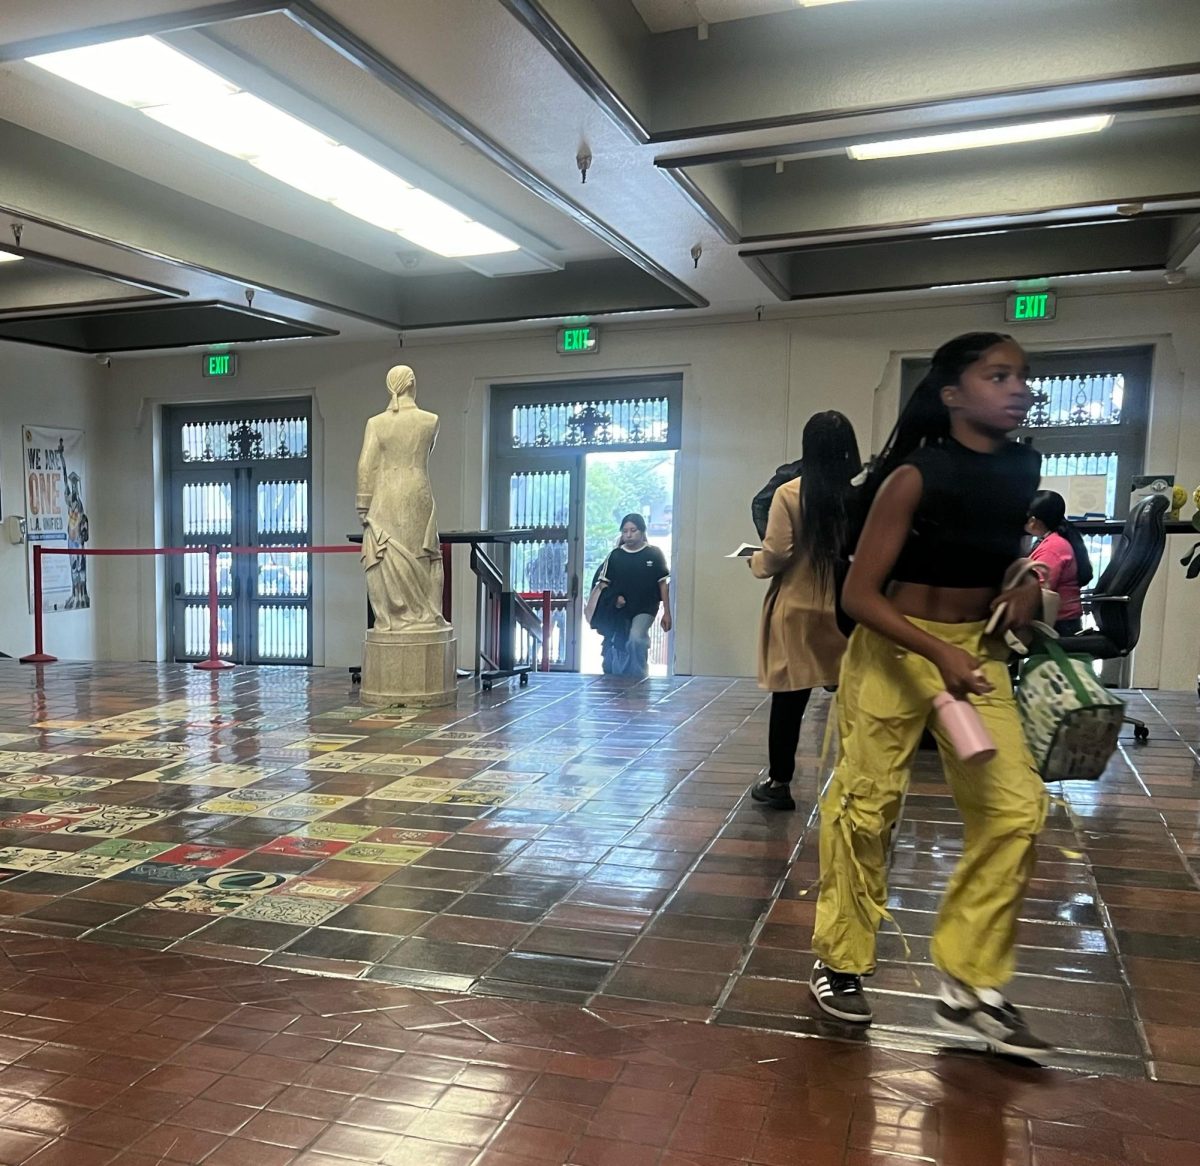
[[638, 657]]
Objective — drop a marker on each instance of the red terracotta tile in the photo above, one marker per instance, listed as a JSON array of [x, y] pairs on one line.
[[282, 1129]]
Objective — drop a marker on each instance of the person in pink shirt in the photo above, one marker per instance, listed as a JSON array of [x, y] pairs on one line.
[[1060, 546]]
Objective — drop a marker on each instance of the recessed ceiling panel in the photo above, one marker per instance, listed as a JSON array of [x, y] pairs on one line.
[[168, 326]]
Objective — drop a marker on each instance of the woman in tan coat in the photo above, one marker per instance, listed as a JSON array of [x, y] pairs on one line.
[[800, 646]]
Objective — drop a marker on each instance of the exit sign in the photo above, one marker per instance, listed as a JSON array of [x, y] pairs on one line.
[[219, 364], [583, 338], [1024, 307]]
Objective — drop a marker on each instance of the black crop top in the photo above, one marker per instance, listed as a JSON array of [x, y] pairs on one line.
[[968, 525]]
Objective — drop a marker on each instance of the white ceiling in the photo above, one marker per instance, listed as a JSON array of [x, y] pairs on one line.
[[500, 78], [667, 15]]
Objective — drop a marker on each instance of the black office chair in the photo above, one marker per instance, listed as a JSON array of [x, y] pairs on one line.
[[1116, 601]]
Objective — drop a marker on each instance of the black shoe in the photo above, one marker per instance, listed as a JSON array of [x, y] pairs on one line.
[[1001, 1026], [840, 994], [778, 797]]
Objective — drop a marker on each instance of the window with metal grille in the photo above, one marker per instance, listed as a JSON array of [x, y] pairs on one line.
[[616, 422], [268, 439], [1076, 401]]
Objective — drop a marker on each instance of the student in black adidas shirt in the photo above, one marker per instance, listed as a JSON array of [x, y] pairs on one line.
[[638, 575]]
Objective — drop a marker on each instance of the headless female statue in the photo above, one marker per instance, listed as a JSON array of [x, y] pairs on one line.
[[401, 554]]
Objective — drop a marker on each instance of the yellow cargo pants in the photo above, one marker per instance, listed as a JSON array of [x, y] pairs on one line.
[[884, 703]]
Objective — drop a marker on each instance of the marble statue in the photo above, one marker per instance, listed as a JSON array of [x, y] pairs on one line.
[[409, 656], [401, 553]]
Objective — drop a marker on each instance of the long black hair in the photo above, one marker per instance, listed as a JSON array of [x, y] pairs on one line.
[[925, 420], [1050, 509], [830, 456]]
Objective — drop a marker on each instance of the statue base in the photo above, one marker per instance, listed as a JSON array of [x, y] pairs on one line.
[[409, 668]]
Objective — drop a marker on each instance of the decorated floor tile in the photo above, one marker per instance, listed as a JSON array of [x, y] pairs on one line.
[[513, 776], [30, 858], [240, 803], [342, 761], [198, 855], [280, 908], [73, 783], [145, 751], [43, 823], [382, 853], [328, 890], [323, 743], [480, 753], [455, 735], [305, 807], [233, 880], [398, 836], [113, 821], [216, 775], [476, 798], [335, 831], [414, 789], [194, 900], [297, 846], [20, 761], [88, 865], [167, 873], [396, 764]]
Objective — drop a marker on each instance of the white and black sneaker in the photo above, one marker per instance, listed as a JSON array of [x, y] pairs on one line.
[[840, 994], [987, 1016]]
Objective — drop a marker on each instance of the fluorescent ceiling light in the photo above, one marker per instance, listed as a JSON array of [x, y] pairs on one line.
[[137, 72], [817, 3], [164, 84], [9, 257], [1037, 131], [240, 124], [970, 283]]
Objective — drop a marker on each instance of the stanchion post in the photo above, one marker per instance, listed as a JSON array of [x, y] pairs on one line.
[[38, 655], [214, 663], [447, 582], [547, 623]]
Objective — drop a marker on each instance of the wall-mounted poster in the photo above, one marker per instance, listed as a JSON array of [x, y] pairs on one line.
[[55, 516]]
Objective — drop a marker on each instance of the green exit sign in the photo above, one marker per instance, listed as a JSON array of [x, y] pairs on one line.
[[1025, 307], [583, 338], [219, 364]]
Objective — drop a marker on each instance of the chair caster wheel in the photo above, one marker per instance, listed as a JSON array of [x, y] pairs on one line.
[[1141, 733], [524, 683], [486, 685]]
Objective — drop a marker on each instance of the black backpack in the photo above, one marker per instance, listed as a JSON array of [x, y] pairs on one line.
[[760, 506]]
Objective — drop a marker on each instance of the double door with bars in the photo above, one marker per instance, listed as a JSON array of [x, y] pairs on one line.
[[240, 475]]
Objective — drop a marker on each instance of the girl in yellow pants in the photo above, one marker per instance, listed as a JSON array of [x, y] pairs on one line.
[[947, 503]]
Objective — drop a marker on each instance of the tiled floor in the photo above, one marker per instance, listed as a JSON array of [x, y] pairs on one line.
[[113, 1057], [579, 842]]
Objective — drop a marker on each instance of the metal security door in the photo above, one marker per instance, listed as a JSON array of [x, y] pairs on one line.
[[546, 501], [240, 475]]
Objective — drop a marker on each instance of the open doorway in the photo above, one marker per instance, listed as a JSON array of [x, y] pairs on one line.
[[616, 484]]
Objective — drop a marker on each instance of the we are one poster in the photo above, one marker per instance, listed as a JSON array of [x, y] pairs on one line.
[[55, 514]]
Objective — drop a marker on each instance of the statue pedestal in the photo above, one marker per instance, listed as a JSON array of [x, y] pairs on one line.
[[409, 668]]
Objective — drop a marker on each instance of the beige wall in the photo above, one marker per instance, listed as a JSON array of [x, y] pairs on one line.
[[748, 388], [41, 387]]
